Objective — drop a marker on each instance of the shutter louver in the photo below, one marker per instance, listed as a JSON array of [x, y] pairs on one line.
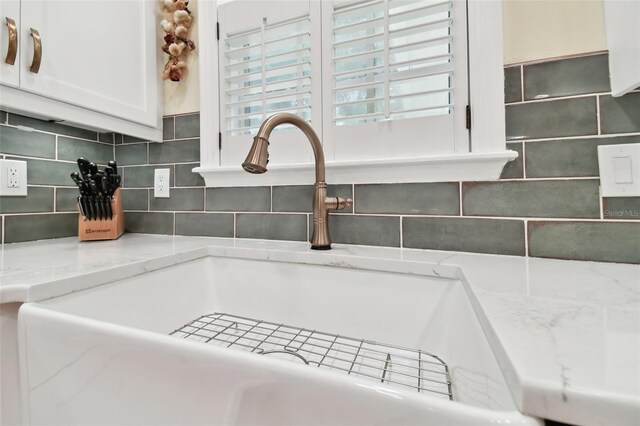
[[267, 70], [392, 59]]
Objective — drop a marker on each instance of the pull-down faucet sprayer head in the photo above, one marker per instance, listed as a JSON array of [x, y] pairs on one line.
[[258, 157]]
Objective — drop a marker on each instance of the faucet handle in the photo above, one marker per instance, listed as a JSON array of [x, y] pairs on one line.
[[337, 203]]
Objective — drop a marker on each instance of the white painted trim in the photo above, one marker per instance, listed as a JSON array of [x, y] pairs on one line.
[[19, 101], [623, 41], [452, 167], [209, 89], [486, 76]]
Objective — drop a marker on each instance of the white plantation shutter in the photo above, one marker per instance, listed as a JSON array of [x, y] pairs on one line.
[[396, 66], [267, 66]]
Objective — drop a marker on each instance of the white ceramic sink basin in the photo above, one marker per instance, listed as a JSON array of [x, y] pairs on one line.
[[105, 356]]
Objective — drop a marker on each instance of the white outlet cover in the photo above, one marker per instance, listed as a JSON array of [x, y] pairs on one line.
[[21, 175], [161, 183], [619, 170]]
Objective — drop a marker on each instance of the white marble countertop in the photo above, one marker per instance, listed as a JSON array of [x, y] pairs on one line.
[[566, 333]]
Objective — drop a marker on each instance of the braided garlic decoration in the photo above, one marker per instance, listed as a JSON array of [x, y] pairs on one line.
[[177, 43]]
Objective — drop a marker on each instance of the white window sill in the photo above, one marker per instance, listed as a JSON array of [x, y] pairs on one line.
[[441, 168]]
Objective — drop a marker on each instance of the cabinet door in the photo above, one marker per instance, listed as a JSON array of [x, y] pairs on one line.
[[9, 73], [96, 54]]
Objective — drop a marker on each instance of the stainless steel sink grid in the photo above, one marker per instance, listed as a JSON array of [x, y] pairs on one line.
[[388, 364]]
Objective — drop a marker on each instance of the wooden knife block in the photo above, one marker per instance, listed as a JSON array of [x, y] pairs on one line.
[[106, 229]]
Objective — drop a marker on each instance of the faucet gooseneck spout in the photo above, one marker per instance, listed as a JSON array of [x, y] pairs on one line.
[[258, 157]]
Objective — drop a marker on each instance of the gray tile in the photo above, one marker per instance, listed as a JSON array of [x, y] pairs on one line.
[[142, 176], [3, 117], [185, 177], [32, 144], [47, 126], [38, 199], [495, 236], [440, 198], [48, 172], [167, 128], [549, 119], [290, 227], [117, 139], [575, 76], [135, 154], [107, 137], [71, 149], [245, 199], [175, 152], [512, 84], [182, 199], [187, 126], [66, 199], [363, 230], [149, 223], [205, 224], [596, 241], [568, 158], [39, 227], [299, 198], [621, 208], [135, 199], [620, 115], [132, 139], [557, 198], [514, 169]]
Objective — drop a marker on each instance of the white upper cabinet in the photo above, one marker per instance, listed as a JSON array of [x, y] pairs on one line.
[[96, 56], [9, 52]]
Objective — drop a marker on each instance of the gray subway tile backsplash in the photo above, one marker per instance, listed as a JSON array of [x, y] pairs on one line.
[[245, 199], [556, 198], [494, 236], [31, 144], [38, 199], [181, 199], [205, 224], [131, 154], [597, 241], [441, 198], [187, 126], [575, 76], [289, 227], [552, 119], [39, 227], [512, 84], [70, 149], [568, 157], [184, 151], [620, 115], [552, 178]]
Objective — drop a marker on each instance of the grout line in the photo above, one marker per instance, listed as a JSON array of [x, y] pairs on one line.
[[578, 137], [271, 198], [234, 225], [522, 82], [401, 232], [598, 114], [55, 197], [174, 223], [460, 197], [2, 225], [526, 237], [524, 161], [558, 98], [174, 126], [600, 198], [56, 147]]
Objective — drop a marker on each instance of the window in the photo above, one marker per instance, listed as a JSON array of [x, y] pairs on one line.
[[385, 84]]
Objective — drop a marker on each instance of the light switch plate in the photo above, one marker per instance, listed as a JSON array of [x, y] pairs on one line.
[[161, 183], [13, 178], [619, 170]]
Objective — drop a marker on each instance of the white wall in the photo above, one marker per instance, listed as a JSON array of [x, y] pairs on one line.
[[533, 30]]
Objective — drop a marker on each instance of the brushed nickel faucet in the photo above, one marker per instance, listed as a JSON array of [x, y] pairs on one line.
[[258, 157]]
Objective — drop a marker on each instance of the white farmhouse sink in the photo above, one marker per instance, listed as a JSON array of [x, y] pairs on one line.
[[106, 356]]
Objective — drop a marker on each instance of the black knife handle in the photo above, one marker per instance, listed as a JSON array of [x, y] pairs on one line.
[[83, 166], [113, 166]]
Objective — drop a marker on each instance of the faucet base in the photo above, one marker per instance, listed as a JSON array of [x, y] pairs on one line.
[[320, 247]]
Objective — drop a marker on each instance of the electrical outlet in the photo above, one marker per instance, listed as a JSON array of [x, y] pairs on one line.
[[13, 178], [161, 183]]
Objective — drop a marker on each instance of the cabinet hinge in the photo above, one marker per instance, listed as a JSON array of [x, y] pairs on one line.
[[217, 30], [469, 117], [219, 140]]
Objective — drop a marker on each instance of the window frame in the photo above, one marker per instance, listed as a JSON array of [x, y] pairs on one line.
[[484, 160]]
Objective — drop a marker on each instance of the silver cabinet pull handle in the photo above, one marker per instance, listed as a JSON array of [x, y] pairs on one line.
[[37, 51], [12, 49]]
